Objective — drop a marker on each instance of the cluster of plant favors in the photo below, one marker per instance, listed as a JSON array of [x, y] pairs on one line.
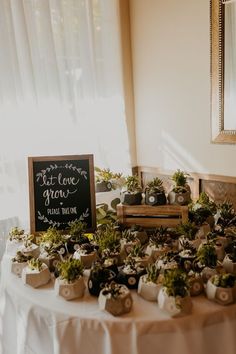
[[166, 265]]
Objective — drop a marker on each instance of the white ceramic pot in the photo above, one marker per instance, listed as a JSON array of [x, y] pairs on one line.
[[174, 306], [36, 278], [69, 291], [228, 265], [116, 306], [223, 296], [16, 268], [147, 289]]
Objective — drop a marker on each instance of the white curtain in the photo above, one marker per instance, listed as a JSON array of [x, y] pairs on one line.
[[61, 90]]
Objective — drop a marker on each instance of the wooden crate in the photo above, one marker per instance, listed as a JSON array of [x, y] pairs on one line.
[[152, 216]]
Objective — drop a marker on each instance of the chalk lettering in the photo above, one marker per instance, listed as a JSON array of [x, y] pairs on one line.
[[49, 194]]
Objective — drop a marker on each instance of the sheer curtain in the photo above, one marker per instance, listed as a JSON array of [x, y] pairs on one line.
[[61, 89]]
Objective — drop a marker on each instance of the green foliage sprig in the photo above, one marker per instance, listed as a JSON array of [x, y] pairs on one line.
[[70, 269], [106, 175]]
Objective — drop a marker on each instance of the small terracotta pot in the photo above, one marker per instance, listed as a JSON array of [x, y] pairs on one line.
[[148, 290], [174, 306], [207, 273], [69, 291], [116, 306], [223, 296], [50, 261], [33, 250], [196, 285], [86, 259], [142, 236], [155, 252]]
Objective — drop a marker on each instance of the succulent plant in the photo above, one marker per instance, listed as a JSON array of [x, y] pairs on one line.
[[52, 235], [21, 257], [137, 251], [16, 233], [35, 264], [112, 289], [180, 180], [132, 184], [70, 269], [105, 175], [153, 272], [226, 280], [108, 238], [188, 229], [76, 227], [175, 282], [155, 186], [206, 255], [227, 215]]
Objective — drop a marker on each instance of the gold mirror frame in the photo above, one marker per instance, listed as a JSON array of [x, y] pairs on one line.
[[219, 134]]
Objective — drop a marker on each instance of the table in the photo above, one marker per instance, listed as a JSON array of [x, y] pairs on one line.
[[35, 321]]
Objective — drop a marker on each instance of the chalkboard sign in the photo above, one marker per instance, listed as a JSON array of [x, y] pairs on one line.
[[61, 189]]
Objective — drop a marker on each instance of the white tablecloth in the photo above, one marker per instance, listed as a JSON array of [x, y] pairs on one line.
[[35, 321]]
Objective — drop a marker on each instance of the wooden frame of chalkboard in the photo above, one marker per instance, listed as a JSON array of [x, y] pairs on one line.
[[61, 189]]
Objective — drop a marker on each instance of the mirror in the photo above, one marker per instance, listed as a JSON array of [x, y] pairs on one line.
[[223, 71]]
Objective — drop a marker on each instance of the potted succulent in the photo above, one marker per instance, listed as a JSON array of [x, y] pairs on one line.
[[155, 193], [86, 254], [187, 253], [115, 298], [132, 195], [202, 214], [222, 288], [128, 241], [168, 260], [106, 180], [180, 193], [130, 273], [149, 284], [108, 241], [159, 243], [52, 241], [98, 277], [19, 262], [140, 233], [139, 255], [173, 297], [36, 273], [76, 235], [229, 262], [15, 240], [207, 260], [70, 282], [187, 231], [226, 216], [196, 285], [29, 247]]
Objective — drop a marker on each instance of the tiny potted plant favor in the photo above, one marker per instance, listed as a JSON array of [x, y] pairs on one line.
[[207, 260], [159, 243], [108, 241], [187, 231], [128, 241], [130, 273], [19, 262], [70, 282], [86, 253], [222, 288], [36, 273], [115, 298], [180, 193], [132, 194], [140, 233], [76, 235], [229, 262], [29, 247], [155, 193], [149, 284], [106, 180], [202, 214], [173, 297], [98, 277], [15, 240]]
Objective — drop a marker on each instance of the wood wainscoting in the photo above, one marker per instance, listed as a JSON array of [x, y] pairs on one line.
[[219, 188]]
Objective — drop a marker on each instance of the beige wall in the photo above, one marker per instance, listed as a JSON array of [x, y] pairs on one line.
[[171, 61]]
